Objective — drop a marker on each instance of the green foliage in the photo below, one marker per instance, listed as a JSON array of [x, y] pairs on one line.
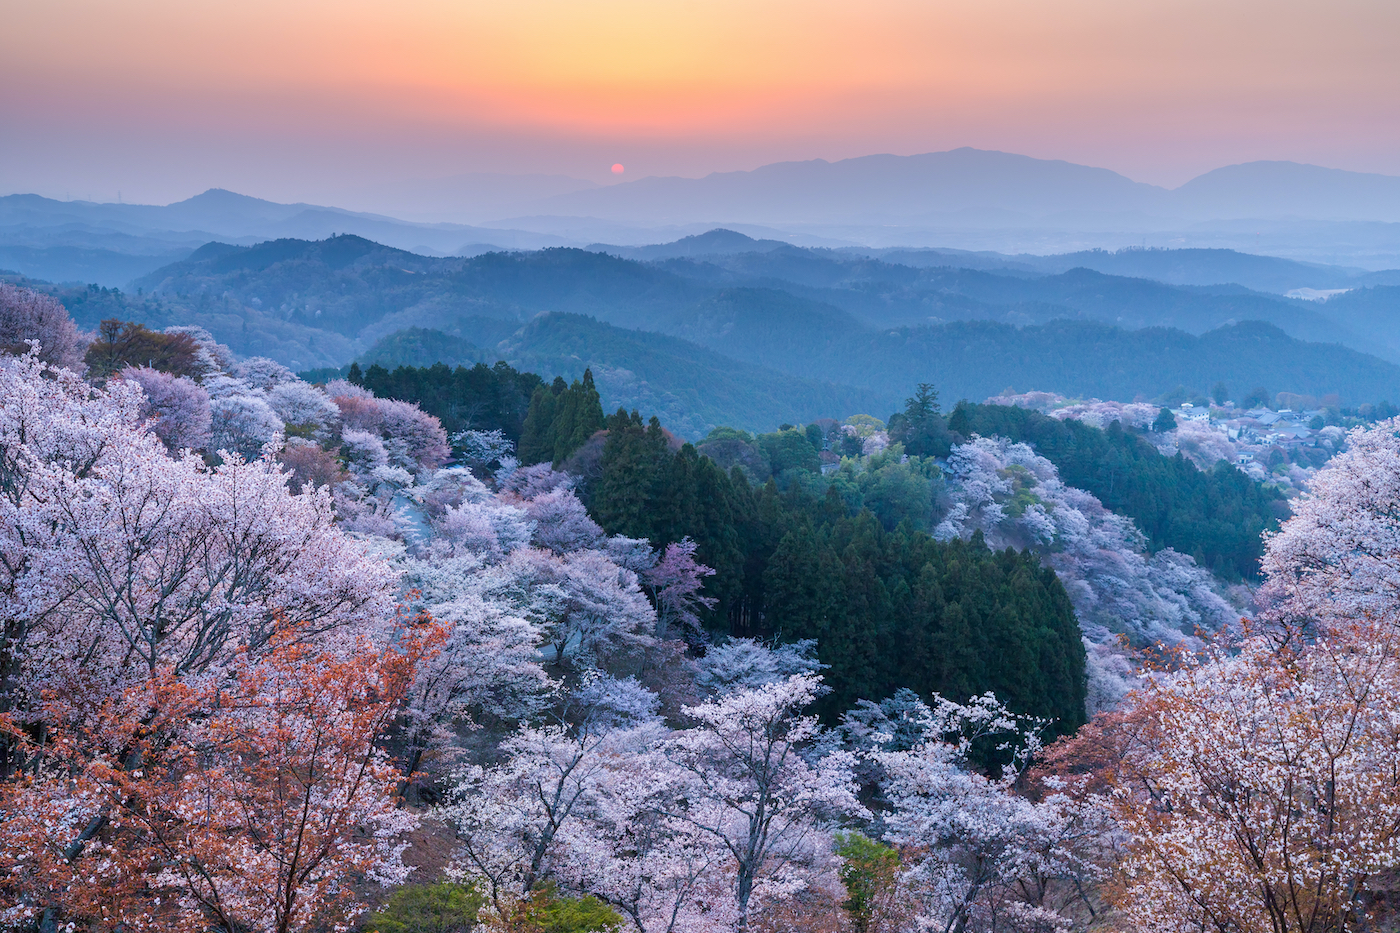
[[1258, 397], [1220, 394], [730, 449], [889, 608], [560, 420], [550, 912], [789, 450], [894, 491], [482, 398], [121, 344], [648, 489], [423, 347], [1165, 421], [870, 872], [869, 422], [1217, 516], [323, 374], [428, 908], [921, 427]]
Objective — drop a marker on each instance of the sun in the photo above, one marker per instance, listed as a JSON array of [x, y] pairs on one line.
[[618, 168]]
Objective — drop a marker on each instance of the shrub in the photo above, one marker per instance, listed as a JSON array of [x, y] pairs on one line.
[[428, 908]]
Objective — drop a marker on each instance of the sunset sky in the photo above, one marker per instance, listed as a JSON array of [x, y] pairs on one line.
[[160, 99]]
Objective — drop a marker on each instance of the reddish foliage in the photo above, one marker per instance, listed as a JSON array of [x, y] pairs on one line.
[[253, 801]]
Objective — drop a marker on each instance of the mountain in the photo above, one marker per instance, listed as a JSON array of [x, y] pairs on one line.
[[717, 242], [981, 188], [1288, 189], [970, 184], [1203, 267], [977, 359], [762, 333], [364, 290], [981, 202], [833, 375], [82, 264], [418, 346], [750, 305], [113, 244]]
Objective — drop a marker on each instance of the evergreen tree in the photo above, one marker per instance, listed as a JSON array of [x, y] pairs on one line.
[[482, 398], [921, 427], [626, 498], [578, 417], [537, 433]]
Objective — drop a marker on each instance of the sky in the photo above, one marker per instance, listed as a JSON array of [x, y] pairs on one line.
[[309, 100]]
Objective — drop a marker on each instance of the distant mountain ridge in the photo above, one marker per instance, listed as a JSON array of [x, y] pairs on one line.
[[987, 187], [740, 337], [972, 199], [362, 291]]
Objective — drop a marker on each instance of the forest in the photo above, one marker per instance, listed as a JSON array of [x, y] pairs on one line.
[[446, 649]]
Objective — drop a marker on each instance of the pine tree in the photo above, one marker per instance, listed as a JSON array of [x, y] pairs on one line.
[[537, 435], [578, 417]]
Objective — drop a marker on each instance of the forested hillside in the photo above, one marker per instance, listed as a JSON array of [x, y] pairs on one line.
[[757, 335], [271, 643], [692, 389], [1217, 516]]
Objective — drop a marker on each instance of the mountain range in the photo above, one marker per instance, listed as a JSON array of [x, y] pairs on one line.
[[722, 328], [968, 199], [989, 188]]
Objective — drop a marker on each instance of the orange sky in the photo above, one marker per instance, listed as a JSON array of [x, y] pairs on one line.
[[290, 99]]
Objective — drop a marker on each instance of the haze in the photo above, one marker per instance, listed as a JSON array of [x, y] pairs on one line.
[[315, 101]]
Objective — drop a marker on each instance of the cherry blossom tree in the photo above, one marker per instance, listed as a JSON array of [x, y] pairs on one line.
[[1204, 444], [247, 803], [211, 357], [54, 429], [243, 425], [665, 874], [159, 612], [1094, 412], [743, 663], [304, 409], [509, 818], [1338, 557], [561, 522], [359, 409], [121, 558], [535, 480], [585, 604], [262, 374], [484, 448], [991, 859], [488, 663], [27, 315], [754, 793], [675, 584], [415, 439], [178, 406], [1015, 498], [1258, 785], [310, 465]]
